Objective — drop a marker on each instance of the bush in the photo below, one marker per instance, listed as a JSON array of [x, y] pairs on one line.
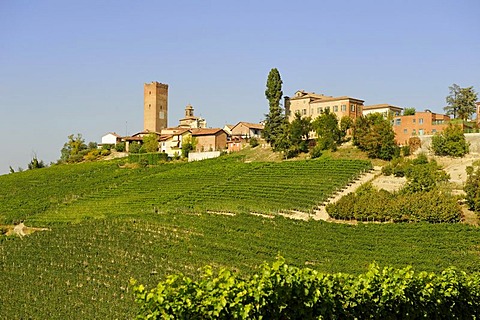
[[134, 147], [254, 142], [316, 152], [472, 189], [450, 142], [120, 147]]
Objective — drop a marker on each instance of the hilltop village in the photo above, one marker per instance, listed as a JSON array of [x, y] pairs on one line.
[[209, 142]]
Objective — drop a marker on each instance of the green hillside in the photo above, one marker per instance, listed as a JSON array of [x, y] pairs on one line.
[[97, 190], [110, 223]]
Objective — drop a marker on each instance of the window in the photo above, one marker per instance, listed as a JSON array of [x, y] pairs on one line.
[[327, 108], [161, 115], [335, 109], [319, 110], [434, 131], [352, 108], [398, 122], [405, 131], [344, 107], [421, 132], [304, 112], [420, 121], [414, 132], [149, 106], [414, 120]]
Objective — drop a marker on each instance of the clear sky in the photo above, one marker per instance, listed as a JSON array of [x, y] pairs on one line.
[[79, 66]]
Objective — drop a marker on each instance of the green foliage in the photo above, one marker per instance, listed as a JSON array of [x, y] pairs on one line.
[[74, 149], [120, 147], [374, 135], [373, 205], [150, 143], [461, 102], [253, 142], [409, 111], [294, 139], [450, 142], [329, 134], [34, 164], [472, 188], [275, 119], [189, 143], [316, 152], [281, 291], [422, 174], [146, 159], [134, 147]]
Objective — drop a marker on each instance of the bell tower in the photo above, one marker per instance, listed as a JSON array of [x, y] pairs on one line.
[[155, 106]]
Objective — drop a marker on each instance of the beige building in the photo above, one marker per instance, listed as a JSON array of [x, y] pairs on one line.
[[190, 120], [155, 106], [386, 110], [247, 130], [214, 139], [310, 104]]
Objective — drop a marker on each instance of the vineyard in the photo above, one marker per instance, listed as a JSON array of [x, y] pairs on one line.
[[92, 190], [109, 222], [83, 270]]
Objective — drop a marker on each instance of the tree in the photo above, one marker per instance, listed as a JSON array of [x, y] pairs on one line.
[[299, 129], [189, 143], [73, 149], [11, 169], [374, 135], [409, 111], [461, 102], [150, 142], [275, 119], [329, 134], [450, 142]]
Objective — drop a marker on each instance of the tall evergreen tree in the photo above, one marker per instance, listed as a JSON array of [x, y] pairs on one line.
[[461, 102], [275, 119]]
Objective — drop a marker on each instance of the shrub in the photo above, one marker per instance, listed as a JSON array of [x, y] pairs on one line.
[[134, 147], [472, 189], [450, 142], [120, 147], [316, 152], [254, 142]]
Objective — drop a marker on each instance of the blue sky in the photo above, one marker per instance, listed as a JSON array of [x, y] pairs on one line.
[[79, 66]]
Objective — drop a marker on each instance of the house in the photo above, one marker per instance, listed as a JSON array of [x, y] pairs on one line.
[[111, 138], [419, 124], [171, 143], [214, 139], [310, 104], [388, 111], [246, 130], [138, 138], [228, 129]]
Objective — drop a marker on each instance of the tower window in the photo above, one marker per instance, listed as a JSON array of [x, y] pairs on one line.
[[149, 92]]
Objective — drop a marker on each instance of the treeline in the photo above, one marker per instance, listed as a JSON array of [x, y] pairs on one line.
[[281, 291], [421, 199]]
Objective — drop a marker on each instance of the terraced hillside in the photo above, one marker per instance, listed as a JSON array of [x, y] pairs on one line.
[[95, 190]]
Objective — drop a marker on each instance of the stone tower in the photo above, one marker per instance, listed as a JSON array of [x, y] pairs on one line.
[[155, 106]]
